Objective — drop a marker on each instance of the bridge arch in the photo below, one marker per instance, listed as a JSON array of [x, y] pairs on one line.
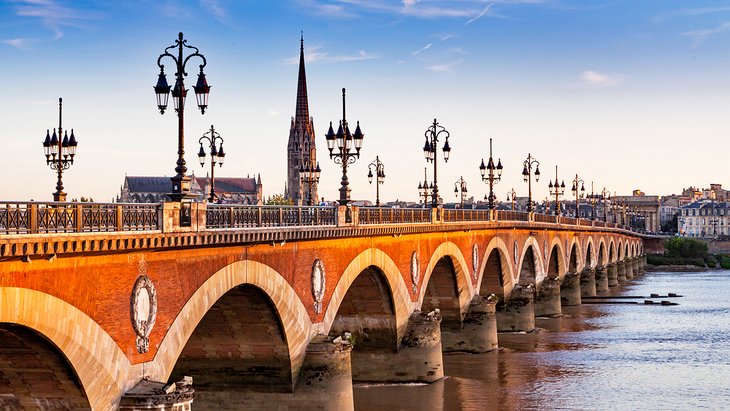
[[372, 257], [575, 259], [100, 365], [450, 252], [611, 251], [626, 250], [590, 254], [294, 320], [534, 271], [496, 272], [602, 259], [556, 266]]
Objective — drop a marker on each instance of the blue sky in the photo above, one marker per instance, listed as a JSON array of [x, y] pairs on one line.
[[629, 94]]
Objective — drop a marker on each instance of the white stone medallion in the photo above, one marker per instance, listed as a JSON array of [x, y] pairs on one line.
[[516, 253], [475, 260], [319, 282], [415, 270], [544, 250], [143, 308]]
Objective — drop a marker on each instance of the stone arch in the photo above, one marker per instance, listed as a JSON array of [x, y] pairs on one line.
[[101, 367], [399, 292], [633, 249], [626, 250], [532, 273], [464, 289], [611, 251], [496, 272], [556, 249], [293, 316], [602, 258], [620, 250], [575, 259], [589, 255]]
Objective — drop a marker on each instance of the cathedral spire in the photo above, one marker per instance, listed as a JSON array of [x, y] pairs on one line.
[[302, 109]]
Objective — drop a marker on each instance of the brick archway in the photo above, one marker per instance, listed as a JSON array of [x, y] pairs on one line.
[[612, 251], [538, 261], [465, 289], [589, 259], [556, 246], [102, 368], [579, 260], [293, 315], [399, 292], [490, 263], [602, 259]]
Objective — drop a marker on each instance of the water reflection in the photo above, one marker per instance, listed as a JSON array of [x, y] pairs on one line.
[[594, 357]]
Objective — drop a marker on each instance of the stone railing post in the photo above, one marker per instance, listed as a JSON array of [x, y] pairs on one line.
[[169, 218], [119, 218], [32, 218], [435, 215], [355, 215], [531, 217], [341, 215], [79, 220], [260, 217]]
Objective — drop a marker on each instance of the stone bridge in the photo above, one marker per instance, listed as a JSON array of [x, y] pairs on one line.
[[101, 305]]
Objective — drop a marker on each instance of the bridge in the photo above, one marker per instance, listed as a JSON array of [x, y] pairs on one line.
[[111, 306]]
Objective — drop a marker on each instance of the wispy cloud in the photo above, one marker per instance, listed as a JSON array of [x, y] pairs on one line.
[[422, 49], [215, 8], [52, 14], [698, 11], [18, 43], [481, 14], [273, 113], [447, 37], [314, 54], [595, 79], [444, 68], [700, 36]]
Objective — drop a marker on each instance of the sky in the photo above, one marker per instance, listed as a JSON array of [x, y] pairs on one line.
[[628, 94]]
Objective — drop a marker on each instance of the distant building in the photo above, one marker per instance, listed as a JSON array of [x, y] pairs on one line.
[[230, 190], [704, 219]]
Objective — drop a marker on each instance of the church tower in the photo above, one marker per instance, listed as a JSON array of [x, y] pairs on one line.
[[301, 150]]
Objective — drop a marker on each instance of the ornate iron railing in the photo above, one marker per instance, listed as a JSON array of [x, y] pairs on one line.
[[34, 217], [512, 215], [380, 215], [568, 220], [545, 218], [460, 214], [235, 216]]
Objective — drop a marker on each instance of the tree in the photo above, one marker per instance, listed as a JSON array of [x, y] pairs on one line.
[[685, 248], [671, 225], [279, 199]]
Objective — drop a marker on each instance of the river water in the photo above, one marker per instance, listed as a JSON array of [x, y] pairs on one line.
[[594, 357]]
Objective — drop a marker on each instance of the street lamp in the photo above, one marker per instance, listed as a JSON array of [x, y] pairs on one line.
[[557, 190], [605, 195], [512, 196], [380, 177], [424, 190], [460, 190], [592, 200], [578, 193], [614, 207], [180, 182], [59, 152], [309, 176], [527, 177], [491, 174], [217, 155], [429, 151], [344, 142]]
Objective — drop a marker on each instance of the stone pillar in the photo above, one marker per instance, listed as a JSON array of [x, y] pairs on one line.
[[479, 329], [629, 269], [547, 301], [517, 313], [418, 357], [325, 379], [570, 289], [636, 266], [643, 263], [621, 271], [159, 396], [612, 275], [588, 283], [601, 279]]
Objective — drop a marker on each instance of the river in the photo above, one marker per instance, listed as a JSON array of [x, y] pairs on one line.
[[594, 357]]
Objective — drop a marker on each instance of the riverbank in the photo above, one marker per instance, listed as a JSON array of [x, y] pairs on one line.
[[676, 268]]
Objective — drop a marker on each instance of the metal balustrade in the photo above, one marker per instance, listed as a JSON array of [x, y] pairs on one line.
[[57, 217], [43, 218]]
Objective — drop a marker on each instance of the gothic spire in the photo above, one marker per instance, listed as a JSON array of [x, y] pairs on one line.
[[302, 110]]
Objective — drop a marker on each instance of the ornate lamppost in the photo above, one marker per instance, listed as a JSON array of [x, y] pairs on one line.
[[557, 190], [309, 176], [460, 190], [578, 193], [344, 142], [605, 195], [512, 196], [592, 200], [217, 155], [424, 190], [492, 174], [380, 177], [527, 177], [429, 151], [59, 152], [180, 182]]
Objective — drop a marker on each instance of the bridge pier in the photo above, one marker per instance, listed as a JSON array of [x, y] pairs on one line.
[[160, 396], [588, 283], [621, 271], [325, 379], [547, 301], [629, 269], [642, 263], [418, 357], [636, 266], [612, 275], [601, 279], [479, 329], [570, 289], [518, 312]]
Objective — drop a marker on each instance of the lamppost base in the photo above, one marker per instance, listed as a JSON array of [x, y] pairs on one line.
[[59, 196], [180, 188]]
